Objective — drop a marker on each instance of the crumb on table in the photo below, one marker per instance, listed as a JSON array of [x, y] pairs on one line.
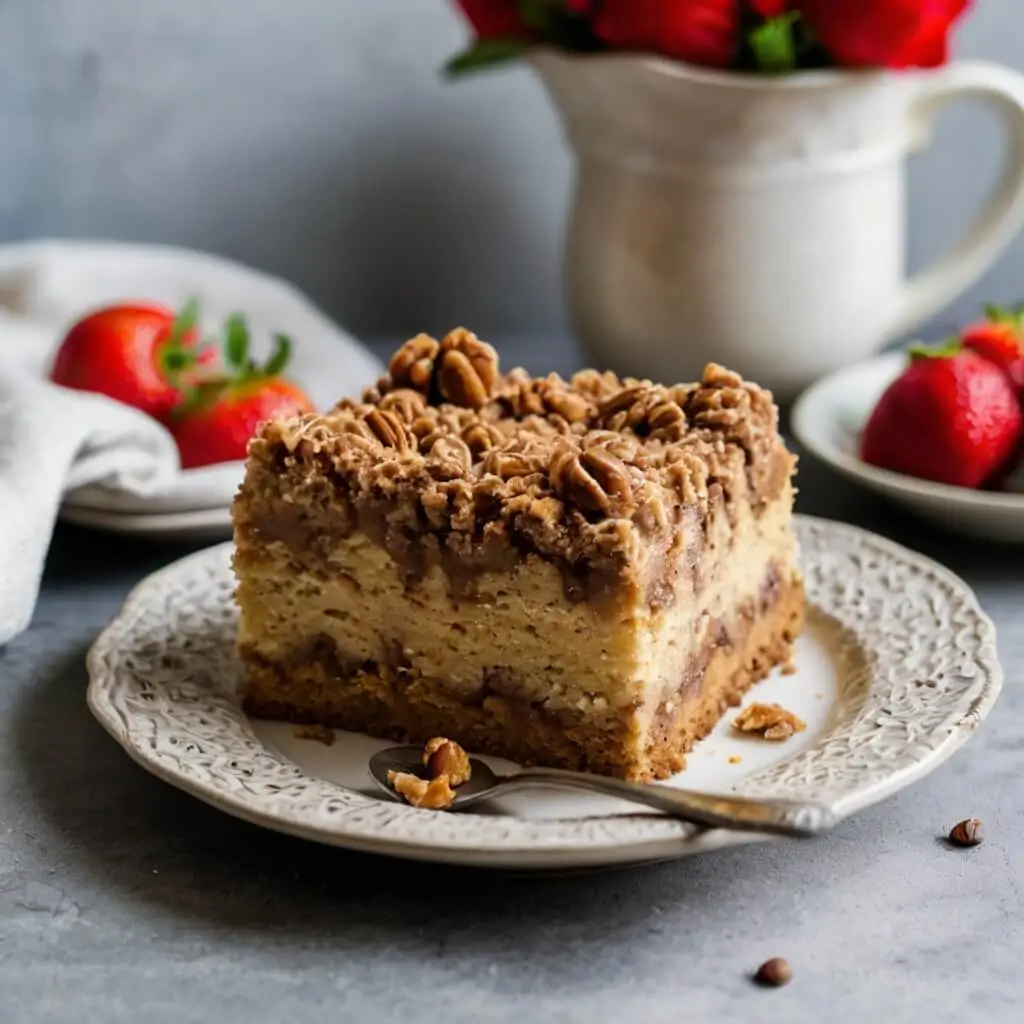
[[735, 759], [432, 794], [772, 721], [320, 733]]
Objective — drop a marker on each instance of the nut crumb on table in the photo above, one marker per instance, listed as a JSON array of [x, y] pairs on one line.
[[735, 759], [774, 972], [433, 794], [772, 721], [320, 733], [968, 832]]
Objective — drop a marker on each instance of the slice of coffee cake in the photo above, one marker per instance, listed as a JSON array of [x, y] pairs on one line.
[[582, 574]]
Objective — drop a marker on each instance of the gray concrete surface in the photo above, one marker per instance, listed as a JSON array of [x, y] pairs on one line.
[[123, 901], [316, 138]]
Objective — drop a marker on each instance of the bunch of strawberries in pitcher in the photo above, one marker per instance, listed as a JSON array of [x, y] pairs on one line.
[[955, 415], [210, 393], [752, 35]]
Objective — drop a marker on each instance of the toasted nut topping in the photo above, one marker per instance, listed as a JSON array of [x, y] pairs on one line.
[[594, 480], [451, 452], [666, 421], [444, 757], [508, 464], [624, 399], [467, 369], [405, 403], [388, 429], [481, 437], [412, 365], [571, 407]]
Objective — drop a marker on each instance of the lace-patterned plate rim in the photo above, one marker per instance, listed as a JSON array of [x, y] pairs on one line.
[[921, 673]]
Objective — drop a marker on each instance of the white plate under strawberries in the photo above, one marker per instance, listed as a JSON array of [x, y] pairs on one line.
[[829, 419]]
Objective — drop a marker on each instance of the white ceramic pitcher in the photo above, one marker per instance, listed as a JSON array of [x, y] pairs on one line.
[[759, 222]]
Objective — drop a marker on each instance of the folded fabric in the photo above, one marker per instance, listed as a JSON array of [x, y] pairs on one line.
[[51, 441], [60, 446]]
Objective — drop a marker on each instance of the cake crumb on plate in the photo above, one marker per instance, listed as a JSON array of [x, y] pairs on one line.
[[772, 721], [320, 733]]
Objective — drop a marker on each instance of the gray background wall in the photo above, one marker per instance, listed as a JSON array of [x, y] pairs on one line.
[[316, 139]]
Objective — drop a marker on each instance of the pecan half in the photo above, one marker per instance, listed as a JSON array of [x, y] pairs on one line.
[[481, 437], [572, 407], [622, 400], [388, 429], [405, 403], [508, 464], [413, 364], [467, 369], [594, 480], [666, 421]]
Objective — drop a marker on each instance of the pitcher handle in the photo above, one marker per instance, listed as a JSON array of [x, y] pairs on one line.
[[939, 284]]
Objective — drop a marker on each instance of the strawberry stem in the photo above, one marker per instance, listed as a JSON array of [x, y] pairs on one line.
[[950, 347], [1013, 316], [240, 367], [174, 355]]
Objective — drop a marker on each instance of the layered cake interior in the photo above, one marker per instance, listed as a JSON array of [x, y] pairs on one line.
[[577, 573]]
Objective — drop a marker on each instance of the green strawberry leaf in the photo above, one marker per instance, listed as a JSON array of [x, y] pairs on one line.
[[236, 342], [486, 53], [185, 322], [774, 44], [282, 354]]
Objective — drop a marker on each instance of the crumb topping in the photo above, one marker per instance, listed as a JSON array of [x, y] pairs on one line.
[[580, 469]]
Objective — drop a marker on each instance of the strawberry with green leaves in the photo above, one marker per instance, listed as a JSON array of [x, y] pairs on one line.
[[952, 416], [138, 354], [1000, 339], [220, 414]]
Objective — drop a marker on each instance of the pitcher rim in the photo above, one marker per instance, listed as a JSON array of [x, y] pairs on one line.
[[739, 80]]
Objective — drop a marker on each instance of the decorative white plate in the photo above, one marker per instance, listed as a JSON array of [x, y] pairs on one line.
[[897, 668], [828, 419]]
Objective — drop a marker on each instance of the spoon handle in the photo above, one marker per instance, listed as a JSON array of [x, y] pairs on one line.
[[780, 817]]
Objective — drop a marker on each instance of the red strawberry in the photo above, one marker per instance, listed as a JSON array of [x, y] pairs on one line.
[[1000, 339], [135, 354], [702, 32], [951, 417], [770, 8], [493, 19], [219, 415]]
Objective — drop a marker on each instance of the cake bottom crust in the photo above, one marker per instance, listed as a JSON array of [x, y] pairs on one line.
[[320, 686]]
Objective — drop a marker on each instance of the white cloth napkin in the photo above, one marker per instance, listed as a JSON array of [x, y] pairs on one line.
[[62, 446]]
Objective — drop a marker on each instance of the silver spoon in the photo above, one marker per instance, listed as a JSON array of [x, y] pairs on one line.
[[779, 817]]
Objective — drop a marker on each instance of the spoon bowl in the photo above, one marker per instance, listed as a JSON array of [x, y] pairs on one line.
[[482, 784]]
